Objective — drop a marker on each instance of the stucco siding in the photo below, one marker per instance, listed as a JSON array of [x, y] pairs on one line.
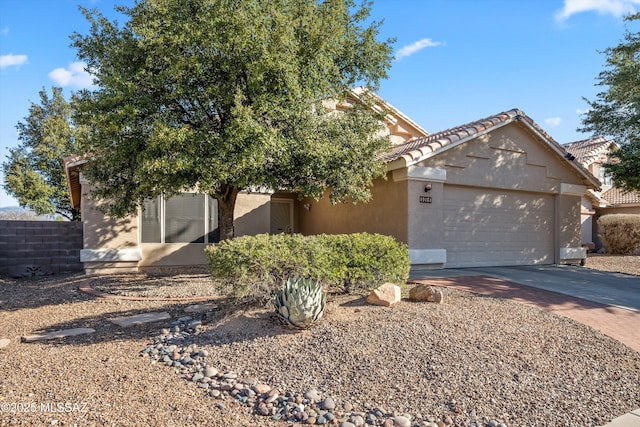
[[502, 202], [104, 232], [510, 157], [385, 213]]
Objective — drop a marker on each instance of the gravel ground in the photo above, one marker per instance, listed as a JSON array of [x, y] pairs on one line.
[[471, 359], [629, 264]]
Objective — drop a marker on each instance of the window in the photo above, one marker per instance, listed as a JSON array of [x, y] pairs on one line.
[[185, 218], [605, 178]]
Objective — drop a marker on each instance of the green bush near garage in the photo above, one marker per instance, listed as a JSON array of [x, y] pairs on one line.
[[253, 267], [620, 233]]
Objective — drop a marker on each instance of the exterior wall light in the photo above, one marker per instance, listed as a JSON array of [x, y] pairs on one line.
[[427, 187]]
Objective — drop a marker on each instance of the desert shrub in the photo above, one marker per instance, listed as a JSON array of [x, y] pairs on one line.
[[620, 233], [253, 267]]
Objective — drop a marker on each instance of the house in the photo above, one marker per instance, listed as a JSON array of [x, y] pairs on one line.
[[495, 192], [592, 154], [172, 232]]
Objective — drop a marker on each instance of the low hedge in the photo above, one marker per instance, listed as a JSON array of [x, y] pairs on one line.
[[620, 233], [252, 267]]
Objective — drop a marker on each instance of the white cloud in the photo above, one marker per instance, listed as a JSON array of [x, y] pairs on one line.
[[410, 49], [613, 7], [553, 121], [73, 75], [5, 31], [12, 60], [581, 112]]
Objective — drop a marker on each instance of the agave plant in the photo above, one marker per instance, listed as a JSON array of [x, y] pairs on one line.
[[300, 303]]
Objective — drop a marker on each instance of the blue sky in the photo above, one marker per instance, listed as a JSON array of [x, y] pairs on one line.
[[456, 60]]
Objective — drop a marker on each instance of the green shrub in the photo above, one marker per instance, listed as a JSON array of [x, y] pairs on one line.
[[620, 233], [253, 267]]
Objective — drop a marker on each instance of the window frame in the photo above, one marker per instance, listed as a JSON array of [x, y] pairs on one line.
[[209, 204]]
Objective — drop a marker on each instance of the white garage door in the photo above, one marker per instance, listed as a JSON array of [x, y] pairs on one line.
[[497, 228]]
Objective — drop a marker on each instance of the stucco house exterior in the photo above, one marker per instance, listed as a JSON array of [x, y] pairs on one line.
[[592, 154], [495, 192]]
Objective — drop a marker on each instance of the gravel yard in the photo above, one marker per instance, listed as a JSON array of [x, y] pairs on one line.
[[471, 360]]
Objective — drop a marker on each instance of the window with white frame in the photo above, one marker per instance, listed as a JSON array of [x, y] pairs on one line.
[[184, 218]]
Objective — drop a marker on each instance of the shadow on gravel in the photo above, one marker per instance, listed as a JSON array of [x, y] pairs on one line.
[[498, 288], [40, 291]]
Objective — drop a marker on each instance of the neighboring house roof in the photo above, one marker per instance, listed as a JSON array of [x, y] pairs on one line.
[[418, 149], [616, 196], [589, 150]]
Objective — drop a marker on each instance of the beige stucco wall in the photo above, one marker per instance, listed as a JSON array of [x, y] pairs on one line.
[[509, 158], [103, 232], [117, 236], [568, 221], [385, 213]]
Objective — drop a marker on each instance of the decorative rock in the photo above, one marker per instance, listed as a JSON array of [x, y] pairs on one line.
[[139, 319], [401, 422], [200, 308], [347, 424], [210, 372], [263, 409], [438, 297], [58, 334], [194, 324], [4, 342], [388, 423], [261, 388], [357, 420], [425, 293], [312, 395], [328, 404], [386, 295]]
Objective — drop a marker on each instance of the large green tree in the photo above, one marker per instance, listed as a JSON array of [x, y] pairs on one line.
[[229, 95], [34, 171], [616, 110]]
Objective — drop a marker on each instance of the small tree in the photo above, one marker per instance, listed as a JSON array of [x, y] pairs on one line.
[[616, 110], [34, 171], [227, 95]]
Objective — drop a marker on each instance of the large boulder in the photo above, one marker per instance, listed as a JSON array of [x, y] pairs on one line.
[[386, 295], [426, 293]]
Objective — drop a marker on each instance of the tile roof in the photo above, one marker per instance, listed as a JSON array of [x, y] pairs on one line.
[[616, 196], [588, 150], [413, 150], [417, 147]]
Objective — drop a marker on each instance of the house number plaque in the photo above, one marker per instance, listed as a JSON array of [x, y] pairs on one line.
[[425, 199]]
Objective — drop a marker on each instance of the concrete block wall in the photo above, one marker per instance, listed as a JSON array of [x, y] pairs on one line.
[[33, 248]]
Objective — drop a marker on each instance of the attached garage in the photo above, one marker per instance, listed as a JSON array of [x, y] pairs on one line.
[[495, 192], [497, 228]]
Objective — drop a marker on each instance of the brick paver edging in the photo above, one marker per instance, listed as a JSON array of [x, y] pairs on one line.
[[87, 289], [618, 323]]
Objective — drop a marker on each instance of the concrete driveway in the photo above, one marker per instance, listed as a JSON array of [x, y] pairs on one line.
[[619, 290]]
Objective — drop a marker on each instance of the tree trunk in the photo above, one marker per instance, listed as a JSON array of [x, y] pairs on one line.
[[226, 206]]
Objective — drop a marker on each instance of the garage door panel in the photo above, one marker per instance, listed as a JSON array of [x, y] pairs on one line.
[[491, 228]]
